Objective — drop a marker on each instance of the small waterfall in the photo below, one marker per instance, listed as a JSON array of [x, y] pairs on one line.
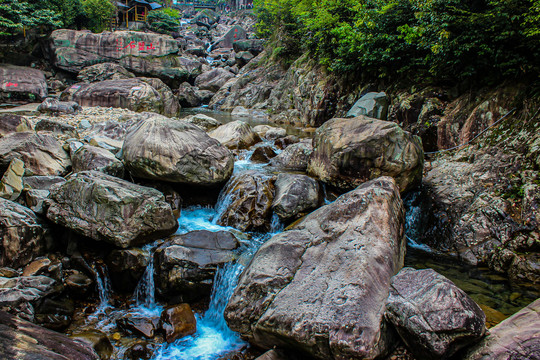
[[145, 292], [413, 220], [276, 225], [103, 282]]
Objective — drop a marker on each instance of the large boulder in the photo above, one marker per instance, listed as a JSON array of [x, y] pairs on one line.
[[517, 337], [186, 264], [22, 234], [90, 157], [22, 340], [294, 157], [42, 154], [245, 202], [22, 83], [254, 46], [177, 322], [136, 94], [236, 33], [213, 79], [144, 53], [235, 135], [321, 286], [159, 148], [205, 122], [347, 152], [295, 195], [433, 316], [126, 267], [13, 123], [56, 107], [110, 209]]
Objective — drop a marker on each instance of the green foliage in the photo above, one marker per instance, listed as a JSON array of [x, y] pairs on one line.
[[445, 40], [174, 13], [161, 21], [99, 13], [16, 15]]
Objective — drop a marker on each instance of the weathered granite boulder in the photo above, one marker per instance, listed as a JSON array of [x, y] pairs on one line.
[[22, 234], [22, 340], [235, 135], [517, 337], [169, 150], [205, 122], [373, 104], [254, 46], [294, 157], [95, 158], [177, 322], [55, 107], [186, 264], [347, 152], [262, 154], [433, 316], [206, 17], [110, 209], [42, 154], [321, 286], [243, 57], [187, 95], [136, 94], [22, 83], [102, 72], [213, 79], [144, 53], [56, 127], [13, 123], [245, 202], [296, 195], [236, 33]]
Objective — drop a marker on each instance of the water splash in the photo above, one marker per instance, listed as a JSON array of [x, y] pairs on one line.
[[198, 218]]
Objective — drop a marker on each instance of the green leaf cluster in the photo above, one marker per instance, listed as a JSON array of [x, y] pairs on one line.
[[17, 15], [162, 21], [445, 40]]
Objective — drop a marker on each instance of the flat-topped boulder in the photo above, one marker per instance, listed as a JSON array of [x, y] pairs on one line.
[[236, 135], [22, 83], [348, 152], [109, 209], [186, 264], [159, 148], [136, 94], [42, 154], [320, 287], [144, 53]]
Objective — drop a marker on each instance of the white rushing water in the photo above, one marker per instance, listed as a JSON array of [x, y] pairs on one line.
[[103, 282], [413, 219], [145, 292], [213, 337]]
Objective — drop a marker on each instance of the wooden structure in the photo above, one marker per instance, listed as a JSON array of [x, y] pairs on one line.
[[132, 11]]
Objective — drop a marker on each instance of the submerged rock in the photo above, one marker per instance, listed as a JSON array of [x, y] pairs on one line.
[[321, 286], [22, 340], [110, 209], [432, 315], [159, 148], [348, 152], [22, 235], [517, 337], [42, 154], [245, 202]]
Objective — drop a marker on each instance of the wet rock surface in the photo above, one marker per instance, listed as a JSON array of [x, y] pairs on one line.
[[433, 316], [110, 209], [178, 322], [326, 278]]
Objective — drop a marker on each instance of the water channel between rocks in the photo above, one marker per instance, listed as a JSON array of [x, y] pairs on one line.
[[214, 339]]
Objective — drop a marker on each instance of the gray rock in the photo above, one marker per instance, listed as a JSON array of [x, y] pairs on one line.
[[235, 135], [95, 158], [110, 209], [54, 106], [56, 127], [42, 154], [372, 104], [102, 72], [295, 196], [22, 340], [187, 95], [516, 338], [41, 182], [22, 235], [11, 184], [432, 315], [245, 202], [348, 152], [176, 151], [126, 267], [294, 157], [320, 287], [186, 264], [22, 83], [36, 200], [205, 122], [213, 80], [13, 123]]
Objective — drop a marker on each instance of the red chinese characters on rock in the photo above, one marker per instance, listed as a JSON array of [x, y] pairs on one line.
[[10, 84], [141, 45]]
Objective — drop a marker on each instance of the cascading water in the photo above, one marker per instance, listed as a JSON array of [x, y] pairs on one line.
[[103, 282], [413, 220], [145, 297]]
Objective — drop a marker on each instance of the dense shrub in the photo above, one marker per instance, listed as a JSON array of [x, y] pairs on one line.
[[161, 21]]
